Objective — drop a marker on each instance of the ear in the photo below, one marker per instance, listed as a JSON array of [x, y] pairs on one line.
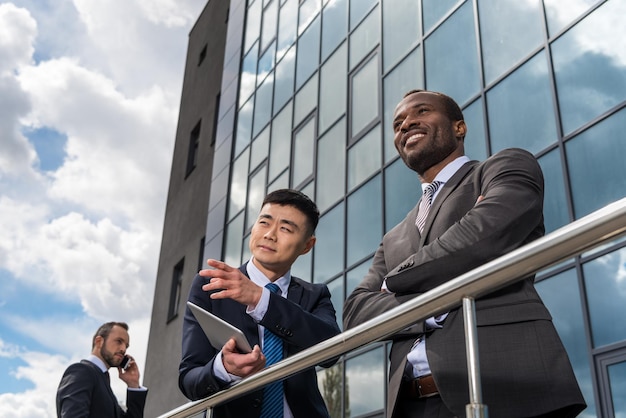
[[460, 128], [309, 244]]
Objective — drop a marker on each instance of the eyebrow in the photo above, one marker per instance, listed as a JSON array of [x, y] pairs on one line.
[[282, 221]]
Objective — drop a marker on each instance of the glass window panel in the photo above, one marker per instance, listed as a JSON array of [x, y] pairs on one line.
[[589, 63], [331, 166], [561, 13], [617, 380], [365, 220], [253, 23], [266, 63], [256, 194], [244, 126], [280, 144], [233, 244], [329, 245], [364, 157], [330, 382], [270, 17], [248, 74], [245, 251], [334, 25], [434, 10], [306, 100], [407, 76], [475, 143], [365, 96], [401, 29], [554, 208], [509, 30], [454, 42], [337, 297], [303, 153], [605, 285], [521, 111], [263, 105], [364, 38], [365, 381], [284, 78], [596, 164], [402, 190], [308, 53], [287, 25], [281, 182], [260, 149], [358, 10], [333, 89], [239, 185], [561, 295], [308, 11], [355, 276]]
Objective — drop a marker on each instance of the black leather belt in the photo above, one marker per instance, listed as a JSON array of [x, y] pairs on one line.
[[421, 387]]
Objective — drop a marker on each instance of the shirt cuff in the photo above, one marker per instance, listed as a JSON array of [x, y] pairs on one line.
[[220, 371], [261, 308]]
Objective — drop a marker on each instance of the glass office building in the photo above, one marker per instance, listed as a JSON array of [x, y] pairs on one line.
[[307, 95]]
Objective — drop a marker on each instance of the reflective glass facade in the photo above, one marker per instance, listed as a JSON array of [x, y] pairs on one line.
[[311, 108]]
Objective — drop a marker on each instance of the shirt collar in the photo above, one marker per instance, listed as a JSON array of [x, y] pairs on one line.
[[96, 360], [260, 279], [448, 171]]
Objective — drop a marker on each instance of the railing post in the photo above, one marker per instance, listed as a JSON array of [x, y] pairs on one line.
[[475, 409]]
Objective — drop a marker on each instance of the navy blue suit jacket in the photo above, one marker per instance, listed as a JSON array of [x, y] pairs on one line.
[[84, 392], [303, 319]]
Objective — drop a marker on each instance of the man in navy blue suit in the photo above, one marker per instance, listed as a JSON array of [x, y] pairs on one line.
[[301, 313], [85, 389]]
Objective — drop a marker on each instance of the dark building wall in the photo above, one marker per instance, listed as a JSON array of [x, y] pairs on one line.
[[187, 205]]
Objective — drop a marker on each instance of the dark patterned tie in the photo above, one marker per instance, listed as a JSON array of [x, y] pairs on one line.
[[424, 207], [273, 349]]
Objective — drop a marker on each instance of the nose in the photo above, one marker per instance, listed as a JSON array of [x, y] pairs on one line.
[[408, 123], [270, 234]]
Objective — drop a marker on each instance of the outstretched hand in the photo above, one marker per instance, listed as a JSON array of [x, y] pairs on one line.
[[229, 282]]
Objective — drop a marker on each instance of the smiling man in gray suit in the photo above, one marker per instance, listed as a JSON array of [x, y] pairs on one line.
[[479, 211]]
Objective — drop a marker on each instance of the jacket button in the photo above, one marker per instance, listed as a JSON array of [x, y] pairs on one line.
[[256, 403]]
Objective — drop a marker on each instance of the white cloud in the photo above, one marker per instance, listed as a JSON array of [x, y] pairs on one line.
[[107, 76]]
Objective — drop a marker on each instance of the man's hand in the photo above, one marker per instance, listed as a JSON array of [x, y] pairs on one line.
[[130, 376], [242, 365], [231, 283]]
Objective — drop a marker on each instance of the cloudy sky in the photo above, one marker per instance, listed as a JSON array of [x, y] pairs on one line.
[[89, 96]]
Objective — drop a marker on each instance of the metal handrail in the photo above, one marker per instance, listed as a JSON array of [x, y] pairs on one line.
[[571, 240]]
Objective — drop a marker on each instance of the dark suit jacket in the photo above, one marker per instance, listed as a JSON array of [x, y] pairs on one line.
[[84, 392], [525, 370], [303, 319]]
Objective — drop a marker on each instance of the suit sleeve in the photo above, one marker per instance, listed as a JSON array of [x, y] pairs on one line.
[[75, 392], [135, 403], [196, 378], [468, 234]]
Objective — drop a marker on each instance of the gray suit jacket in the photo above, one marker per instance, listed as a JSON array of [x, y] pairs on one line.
[[525, 370]]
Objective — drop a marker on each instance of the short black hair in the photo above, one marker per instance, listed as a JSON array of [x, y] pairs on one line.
[[300, 201], [452, 108], [105, 330]]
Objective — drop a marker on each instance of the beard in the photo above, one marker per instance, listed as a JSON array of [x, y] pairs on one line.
[[109, 357], [430, 153]]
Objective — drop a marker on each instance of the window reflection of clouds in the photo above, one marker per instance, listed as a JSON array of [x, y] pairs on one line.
[[308, 10], [605, 281], [509, 31], [617, 377], [287, 26], [589, 62], [366, 382], [560, 13], [253, 23]]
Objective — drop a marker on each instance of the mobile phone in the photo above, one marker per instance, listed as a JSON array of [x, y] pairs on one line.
[[125, 363]]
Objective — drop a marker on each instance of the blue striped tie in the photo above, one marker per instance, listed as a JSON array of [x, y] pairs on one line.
[[273, 349]]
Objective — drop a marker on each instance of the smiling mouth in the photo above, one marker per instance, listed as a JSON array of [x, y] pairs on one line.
[[414, 138]]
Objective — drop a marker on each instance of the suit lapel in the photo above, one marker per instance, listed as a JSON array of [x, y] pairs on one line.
[[445, 191]]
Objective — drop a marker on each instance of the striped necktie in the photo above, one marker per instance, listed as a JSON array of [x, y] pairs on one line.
[[424, 207], [273, 349]]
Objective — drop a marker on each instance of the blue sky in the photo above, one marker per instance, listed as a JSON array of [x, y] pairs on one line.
[[89, 96]]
